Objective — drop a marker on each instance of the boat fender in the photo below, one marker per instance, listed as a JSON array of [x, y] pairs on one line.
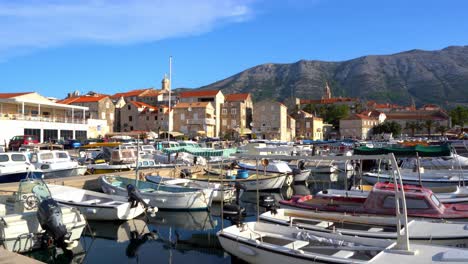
[[247, 251]]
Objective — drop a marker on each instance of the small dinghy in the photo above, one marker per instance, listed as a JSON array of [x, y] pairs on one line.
[[248, 181], [448, 234], [161, 196], [227, 195], [257, 242], [98, 206], [31, 216]]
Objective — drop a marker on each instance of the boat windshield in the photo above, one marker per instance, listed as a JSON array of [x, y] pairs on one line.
[[34, 186], [435, 200]]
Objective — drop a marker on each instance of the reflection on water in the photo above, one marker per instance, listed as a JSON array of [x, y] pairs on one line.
[[174, 236]]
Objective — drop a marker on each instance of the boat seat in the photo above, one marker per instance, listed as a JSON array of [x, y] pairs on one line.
[[297, 244], [343, 254], [324, 224], [375, 229], [91, 201]]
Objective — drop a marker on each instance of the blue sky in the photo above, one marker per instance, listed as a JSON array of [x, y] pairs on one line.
[[54, 47]]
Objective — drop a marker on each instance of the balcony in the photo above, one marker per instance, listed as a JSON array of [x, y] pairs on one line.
[[56, 119], [202, 121]]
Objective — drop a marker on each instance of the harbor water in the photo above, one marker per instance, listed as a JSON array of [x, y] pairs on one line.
[[173, 236]]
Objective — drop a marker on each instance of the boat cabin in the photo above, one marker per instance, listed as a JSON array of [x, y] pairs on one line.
[[10, 158]]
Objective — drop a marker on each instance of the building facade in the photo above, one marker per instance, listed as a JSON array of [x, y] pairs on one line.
[[32, 114], [99, 107], [214, 96], [308, 126], [421, 122], [270, 121], [357, 126], [195, 119], [236, 115], [129, 115]]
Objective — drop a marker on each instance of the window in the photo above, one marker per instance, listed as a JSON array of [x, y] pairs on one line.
[[4, 158], [111, 116], [307, 124], [155, 117], [130, 118], [389, 202], [61, 155], [103, 115], [182, 116], [233, 111], [33, 132], [46, 156], [435, 200], [224, 122], [18, 157], [195, 116], [50, 134], [107, 105], [224, 111], [81, 134], [233, 122], [131, 128], [129, 107], [66, 134], [147, 118]]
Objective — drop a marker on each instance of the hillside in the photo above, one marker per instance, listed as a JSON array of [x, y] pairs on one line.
[[427, 76]]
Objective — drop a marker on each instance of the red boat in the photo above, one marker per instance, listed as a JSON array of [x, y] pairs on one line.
[[420, 203]]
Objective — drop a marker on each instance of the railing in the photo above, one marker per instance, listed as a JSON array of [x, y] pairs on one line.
[[203, 121], [43, 118]]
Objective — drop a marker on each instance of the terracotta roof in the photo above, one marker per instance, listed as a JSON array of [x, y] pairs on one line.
[[11, 95], [143, 105], [199, 93], [372, 113], [415, 115], [137, 92], [82, 99], [193, 105], [358, 117], [236, 97], [328, 100]]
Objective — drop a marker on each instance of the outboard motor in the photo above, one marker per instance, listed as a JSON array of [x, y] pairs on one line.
[[235, 212], [268, 202], [300, 165], [50, 219], [185, 173], [134, 197]]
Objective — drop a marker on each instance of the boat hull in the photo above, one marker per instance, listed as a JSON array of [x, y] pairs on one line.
[[427, 182], [16, 177], [251, 184]]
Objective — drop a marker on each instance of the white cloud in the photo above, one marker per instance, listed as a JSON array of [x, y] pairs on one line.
[[27, 25]]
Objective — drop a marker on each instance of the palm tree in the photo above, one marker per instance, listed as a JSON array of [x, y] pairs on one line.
[[428, 125], [413, 126], [442, 129]]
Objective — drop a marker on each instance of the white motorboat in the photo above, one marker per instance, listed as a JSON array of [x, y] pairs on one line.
[[453, 161], [160, 196], [227, 193], [316, 166], [449, 234], [15, 166], [56, 163], [257, 242], [95, 205], [428, 180], [274, 166], [28, 215], [251, 183]]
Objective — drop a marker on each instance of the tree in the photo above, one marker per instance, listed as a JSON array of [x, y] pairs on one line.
[[334, 113], [387, 127], [442, 130], [428, 125], [413, 126], [459, 115]]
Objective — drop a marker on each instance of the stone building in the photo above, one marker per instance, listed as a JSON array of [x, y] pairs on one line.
[[216, 97], [100, 107], [357, 126], [195, 119], [236, 115], [154, 119], [129, 115], [308, 126], [270, 121], [419, 120]]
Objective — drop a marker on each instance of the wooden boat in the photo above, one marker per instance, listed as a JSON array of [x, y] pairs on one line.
[[296, 175], [449, 234], [446, 195], [265, 182], [160, 196], [257, 242], [20, 226], [421, 203], [95, 205], [434, 180], [226, 193]]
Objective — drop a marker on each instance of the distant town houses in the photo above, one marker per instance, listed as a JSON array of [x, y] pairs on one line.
[[208, 113]]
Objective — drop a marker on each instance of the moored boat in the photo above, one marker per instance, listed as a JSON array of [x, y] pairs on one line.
[[95, 205], [160, 196]]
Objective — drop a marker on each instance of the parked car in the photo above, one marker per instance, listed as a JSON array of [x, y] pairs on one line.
[[17, 141], [71, 144]]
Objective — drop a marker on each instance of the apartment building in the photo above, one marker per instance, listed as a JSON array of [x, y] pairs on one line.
[[236, 114], [216, 97], [358, 126], [153, 119], [195, 119], [270, 121], [308, 126]]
